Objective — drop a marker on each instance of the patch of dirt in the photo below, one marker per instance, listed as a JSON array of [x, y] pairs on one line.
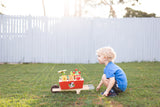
[[102, 101], [79, 102], [116, 104]]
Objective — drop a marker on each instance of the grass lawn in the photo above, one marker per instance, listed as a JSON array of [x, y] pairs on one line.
[[29, 85]]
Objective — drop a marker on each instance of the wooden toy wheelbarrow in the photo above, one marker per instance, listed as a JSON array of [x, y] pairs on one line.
[[56, 88]]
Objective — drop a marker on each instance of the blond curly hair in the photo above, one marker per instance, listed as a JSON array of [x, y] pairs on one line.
[[107, 52]]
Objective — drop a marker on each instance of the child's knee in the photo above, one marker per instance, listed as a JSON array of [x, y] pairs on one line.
[[103, 78]]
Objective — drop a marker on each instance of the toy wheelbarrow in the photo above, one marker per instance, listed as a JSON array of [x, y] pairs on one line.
[[56, 88], [72, 82]]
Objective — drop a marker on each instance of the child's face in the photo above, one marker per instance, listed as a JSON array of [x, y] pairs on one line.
[[101, 59]]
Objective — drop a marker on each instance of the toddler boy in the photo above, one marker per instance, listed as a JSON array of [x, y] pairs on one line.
[[114, 78]]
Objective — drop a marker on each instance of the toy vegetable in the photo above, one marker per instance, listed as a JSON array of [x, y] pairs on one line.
[[62, 72]]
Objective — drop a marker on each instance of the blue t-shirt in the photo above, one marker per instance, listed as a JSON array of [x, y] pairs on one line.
[[112, 70]]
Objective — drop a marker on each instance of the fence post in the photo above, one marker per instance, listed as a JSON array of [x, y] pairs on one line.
[[28, 43]]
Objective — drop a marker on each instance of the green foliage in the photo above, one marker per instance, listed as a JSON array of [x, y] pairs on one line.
[[1, 6], [137, 13], [29, 85]]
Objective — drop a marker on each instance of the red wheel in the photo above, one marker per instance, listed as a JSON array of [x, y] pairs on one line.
[[54, 86]]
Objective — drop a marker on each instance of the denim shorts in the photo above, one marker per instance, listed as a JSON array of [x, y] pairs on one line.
[[116, 89]]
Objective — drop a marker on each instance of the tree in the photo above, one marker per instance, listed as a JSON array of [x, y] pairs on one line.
[[44, 11], [78, 8], [66, 7], [110, 3], [136, 13], [2, 6]]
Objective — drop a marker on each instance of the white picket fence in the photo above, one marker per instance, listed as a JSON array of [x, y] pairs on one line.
[[25, 39]]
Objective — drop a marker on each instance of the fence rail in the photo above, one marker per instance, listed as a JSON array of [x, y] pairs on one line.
[[25, 39]]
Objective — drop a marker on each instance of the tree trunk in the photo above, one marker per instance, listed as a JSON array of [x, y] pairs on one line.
[[44, 11], [75, 7], [66, 7], [112, 12], [80, 8]]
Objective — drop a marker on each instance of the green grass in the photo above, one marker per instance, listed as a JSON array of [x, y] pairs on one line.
[[29, 85]]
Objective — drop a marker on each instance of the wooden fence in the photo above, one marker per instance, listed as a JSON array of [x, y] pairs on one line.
[[25, 39]]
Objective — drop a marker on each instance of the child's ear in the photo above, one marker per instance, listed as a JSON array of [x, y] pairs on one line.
[[105, 58]]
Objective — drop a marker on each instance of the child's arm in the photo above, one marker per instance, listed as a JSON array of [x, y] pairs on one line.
[[110, 85], [100, 84]]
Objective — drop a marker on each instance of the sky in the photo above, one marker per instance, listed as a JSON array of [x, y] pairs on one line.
[[34, 7], [56, 8]]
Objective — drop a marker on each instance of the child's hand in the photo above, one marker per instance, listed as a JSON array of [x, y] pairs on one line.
[[105, 93], [98, 87]]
